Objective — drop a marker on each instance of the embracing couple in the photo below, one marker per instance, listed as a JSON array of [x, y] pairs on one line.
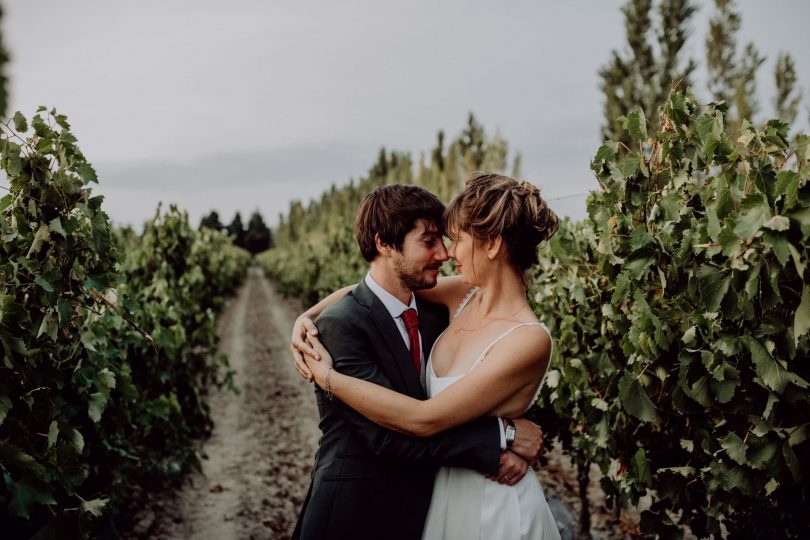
[[420, 412]]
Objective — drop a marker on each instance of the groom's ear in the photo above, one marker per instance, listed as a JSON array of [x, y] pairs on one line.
[[382, 248]]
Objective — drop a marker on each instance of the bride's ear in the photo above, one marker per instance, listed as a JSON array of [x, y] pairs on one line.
[[493, 247]]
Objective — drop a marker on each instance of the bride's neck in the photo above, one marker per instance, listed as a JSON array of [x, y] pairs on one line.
[[501, 292]]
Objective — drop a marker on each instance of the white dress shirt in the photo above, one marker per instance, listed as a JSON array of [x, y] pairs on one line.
[[395, 308]]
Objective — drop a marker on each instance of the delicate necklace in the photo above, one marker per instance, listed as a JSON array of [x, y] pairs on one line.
[[461, 329]]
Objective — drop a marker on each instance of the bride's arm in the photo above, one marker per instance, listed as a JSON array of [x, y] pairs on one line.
[[514, 364], [303, 325], [449, 291]]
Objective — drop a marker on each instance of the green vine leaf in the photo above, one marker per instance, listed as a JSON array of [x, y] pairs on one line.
[[755, 215], [777, 223], [27, 494], [94, 507], [636, 402], [53, 434], [636, 126], [41, 237], [712, 286], [769, 369], [5, 405], [735, 448], [20, 123], [641, 467], [801, 321], [76, 440], [96, 406]]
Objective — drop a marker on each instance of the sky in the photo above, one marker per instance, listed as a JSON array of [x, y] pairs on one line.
[[245, 105]]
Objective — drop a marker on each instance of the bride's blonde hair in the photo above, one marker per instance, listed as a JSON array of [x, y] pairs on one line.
[[493, 205]]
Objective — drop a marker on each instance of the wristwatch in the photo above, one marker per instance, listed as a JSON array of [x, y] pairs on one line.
[[511, 431]]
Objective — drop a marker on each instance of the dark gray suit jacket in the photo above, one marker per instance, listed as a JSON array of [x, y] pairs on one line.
[[368, 481]]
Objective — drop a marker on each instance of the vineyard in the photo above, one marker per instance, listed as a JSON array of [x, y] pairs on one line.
[[146, 386], [108, 340], [680, 309]]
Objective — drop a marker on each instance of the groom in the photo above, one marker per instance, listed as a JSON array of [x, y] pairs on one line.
[[368, 481]]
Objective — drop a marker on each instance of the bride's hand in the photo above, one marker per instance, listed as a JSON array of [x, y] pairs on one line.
[[323, 355], [320, 365]]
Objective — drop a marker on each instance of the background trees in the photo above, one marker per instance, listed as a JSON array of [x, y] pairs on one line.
[[641, 75], [255, 239]]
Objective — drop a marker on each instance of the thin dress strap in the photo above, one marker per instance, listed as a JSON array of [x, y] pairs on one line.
[[499, 338], [551, 352], [464, 301]]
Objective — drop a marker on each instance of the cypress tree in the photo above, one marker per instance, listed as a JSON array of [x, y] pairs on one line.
[[517, 166], [472, 144], [786, 101], [672, 36], [237, 230], [437, 156], [637, 78], [745, 88], [721, 48], [731, 79], [211, 221], [257, 237], [379, 170]]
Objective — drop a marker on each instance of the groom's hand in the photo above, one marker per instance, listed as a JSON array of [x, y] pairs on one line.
[[528, 440], [299, 345], [511, 469]]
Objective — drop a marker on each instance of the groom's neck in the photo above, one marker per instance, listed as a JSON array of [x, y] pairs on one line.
[[386, 277]]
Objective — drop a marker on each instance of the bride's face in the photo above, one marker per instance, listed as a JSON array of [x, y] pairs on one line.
[[464, 251]]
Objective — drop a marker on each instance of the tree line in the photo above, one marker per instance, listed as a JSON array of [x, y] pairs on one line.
[[315, 251], [643, 73], [257, 237]]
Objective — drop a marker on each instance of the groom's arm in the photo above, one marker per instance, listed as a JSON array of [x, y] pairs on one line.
[[474, 445]]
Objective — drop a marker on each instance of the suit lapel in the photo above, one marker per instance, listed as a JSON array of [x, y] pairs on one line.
[[400, 358], [431, 324]]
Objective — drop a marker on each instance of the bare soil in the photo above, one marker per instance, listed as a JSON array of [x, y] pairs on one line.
[[258, 460]]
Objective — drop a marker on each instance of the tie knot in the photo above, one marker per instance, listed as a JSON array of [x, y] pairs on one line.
[[410, 318]]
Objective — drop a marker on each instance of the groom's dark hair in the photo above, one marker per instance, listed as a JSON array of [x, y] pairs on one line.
[[392, 211]]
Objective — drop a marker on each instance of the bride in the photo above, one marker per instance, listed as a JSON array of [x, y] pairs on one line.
[[491, 359]]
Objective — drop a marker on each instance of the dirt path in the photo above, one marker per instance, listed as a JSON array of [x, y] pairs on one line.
[[261, 452]]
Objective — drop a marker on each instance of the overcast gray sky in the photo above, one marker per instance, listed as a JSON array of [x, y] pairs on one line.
[[247, 104]]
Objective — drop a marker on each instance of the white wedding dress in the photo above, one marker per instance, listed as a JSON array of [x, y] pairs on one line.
[[468, 506]]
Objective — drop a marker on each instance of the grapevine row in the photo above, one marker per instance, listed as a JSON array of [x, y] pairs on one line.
[[107, 339]]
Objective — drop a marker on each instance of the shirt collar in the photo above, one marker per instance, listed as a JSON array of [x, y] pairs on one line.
[[394, 306]]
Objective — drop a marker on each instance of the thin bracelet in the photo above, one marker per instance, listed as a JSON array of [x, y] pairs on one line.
[[327, 387]]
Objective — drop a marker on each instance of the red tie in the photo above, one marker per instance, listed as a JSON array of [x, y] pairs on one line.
[[411, 319]]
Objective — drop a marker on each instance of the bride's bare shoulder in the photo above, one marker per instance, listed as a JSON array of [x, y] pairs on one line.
[[528, 344]]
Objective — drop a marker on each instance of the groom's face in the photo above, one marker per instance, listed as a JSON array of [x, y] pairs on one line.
[[423, 253]]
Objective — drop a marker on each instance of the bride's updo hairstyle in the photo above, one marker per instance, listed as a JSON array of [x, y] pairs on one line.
[[493, 205]]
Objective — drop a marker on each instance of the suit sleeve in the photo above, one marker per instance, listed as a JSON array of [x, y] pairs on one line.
[[474, 445]]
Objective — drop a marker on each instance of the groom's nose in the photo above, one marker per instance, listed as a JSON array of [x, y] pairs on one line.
[[440, 253]]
